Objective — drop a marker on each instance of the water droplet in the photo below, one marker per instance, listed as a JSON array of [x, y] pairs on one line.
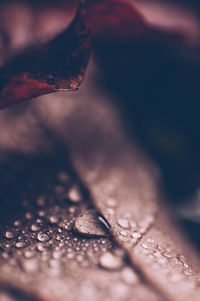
[[123, 223], [79, 258], [129, 276], [156, 254], [41, 248], [123, 233], [87, 223], [29, 253], [30, 265], [181, 258], [17, 223], [74, 194], [145, 246], [43, 237], [53, 219], [39, 221], [70, 255], [56, 254], [136, 235], [72, 209], [162, 260], [167, 254], [35, 228], [5, 256], [11, 234], [20, 244], [28, 215], [41, 213], [111, 261], [110, 211], [58, 237], [111, 202]]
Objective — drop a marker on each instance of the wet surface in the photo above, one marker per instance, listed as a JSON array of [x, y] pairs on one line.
[[127, 193], [55, 241], [74, 157]]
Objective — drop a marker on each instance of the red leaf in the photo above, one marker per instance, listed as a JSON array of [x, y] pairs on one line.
[[58, 65], [116, 18]]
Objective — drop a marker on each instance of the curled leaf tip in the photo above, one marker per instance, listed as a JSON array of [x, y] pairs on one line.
[[58, 65]]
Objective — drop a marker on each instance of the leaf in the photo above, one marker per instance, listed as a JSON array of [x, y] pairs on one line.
[[42, 257], [117, 178], [57, 66], [124, 185], [114, 19]]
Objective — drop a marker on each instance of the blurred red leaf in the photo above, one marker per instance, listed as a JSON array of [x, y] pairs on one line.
[[56, 66], [60, 64], [116, 18]]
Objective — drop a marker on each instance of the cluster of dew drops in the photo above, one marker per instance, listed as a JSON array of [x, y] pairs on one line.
[[59, 235]]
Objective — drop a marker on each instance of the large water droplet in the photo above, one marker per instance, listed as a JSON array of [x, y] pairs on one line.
[[87, 223]]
